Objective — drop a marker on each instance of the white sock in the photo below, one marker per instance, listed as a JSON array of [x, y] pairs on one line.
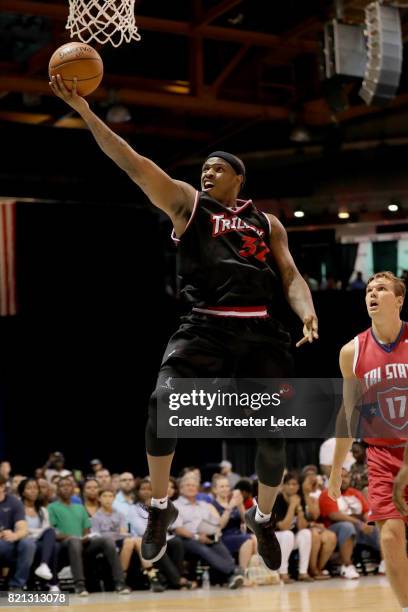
[[260, 517], [404, 609], [159, 503]]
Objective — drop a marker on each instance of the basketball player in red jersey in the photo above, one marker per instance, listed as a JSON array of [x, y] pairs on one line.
[[229, 253], [372, 358]]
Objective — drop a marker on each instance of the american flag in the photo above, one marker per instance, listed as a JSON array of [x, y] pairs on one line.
[[8, 298]]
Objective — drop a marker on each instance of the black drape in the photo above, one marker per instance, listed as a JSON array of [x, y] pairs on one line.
[[346, 255]]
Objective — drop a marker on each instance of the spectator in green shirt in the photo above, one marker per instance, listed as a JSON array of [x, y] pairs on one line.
[[73, 528]]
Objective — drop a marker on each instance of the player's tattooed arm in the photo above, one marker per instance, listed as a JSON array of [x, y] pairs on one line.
[[296, 289]]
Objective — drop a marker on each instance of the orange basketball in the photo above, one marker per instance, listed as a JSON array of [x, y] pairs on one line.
[[76, 59]]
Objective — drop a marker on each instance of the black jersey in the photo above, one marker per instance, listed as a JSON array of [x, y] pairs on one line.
[[225, 262]]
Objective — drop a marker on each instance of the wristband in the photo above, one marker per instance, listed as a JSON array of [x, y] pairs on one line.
[[196, 536]]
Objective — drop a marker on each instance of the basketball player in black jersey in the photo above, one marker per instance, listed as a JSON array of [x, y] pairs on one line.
[[228, 253]]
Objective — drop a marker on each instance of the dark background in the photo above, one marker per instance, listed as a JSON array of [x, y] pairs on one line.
[[79, 360]]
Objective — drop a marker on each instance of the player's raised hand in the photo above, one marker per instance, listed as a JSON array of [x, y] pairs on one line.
[[71, 97], [334, 490], [399, 490], [310, 330]]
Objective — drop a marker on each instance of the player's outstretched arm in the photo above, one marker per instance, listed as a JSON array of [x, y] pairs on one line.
[[401, 485], [351, 392], [296, 289], [173, 197]]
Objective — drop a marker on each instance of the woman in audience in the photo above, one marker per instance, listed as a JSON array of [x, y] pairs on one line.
[[230, 506], [292, 529], [90, 493], [40, 530], [171, 564], [323, 540]]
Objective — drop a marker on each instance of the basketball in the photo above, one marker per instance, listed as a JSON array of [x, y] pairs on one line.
[[78, 60]]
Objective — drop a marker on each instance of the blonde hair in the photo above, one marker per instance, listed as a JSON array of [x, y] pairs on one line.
[[399, 285]]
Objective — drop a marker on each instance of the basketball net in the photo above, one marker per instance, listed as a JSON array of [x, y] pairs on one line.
[[103, 20]]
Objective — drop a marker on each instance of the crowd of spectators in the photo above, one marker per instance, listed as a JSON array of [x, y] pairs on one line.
[[59, 529]]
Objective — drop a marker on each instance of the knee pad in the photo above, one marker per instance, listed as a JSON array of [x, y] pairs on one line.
[[270, 461]]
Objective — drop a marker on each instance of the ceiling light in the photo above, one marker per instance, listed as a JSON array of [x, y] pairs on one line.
[[343, 214], [393, 207], [299, 214]]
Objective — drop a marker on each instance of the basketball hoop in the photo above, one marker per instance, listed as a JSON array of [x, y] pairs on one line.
[[103, 21]]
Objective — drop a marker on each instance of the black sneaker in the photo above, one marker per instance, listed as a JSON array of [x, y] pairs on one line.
[[154, 540], [268, 545]]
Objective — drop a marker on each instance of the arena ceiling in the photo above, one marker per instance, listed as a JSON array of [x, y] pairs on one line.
[[246, 75]]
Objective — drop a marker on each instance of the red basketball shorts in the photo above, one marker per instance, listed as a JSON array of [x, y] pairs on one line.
[[384, 463]]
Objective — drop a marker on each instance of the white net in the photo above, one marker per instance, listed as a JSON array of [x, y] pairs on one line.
[[103, 21]]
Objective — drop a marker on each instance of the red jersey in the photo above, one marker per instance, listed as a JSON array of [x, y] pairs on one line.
[[351, 502], [383, 372]]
